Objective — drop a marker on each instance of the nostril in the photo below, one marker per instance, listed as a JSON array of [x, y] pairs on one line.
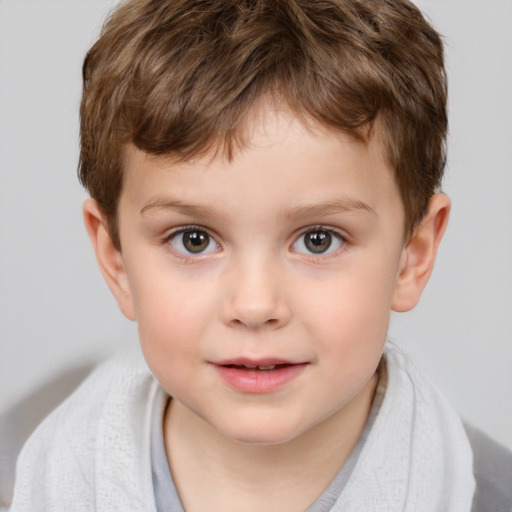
[[271, 322]]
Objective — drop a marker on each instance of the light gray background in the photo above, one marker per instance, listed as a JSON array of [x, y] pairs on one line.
[[55, 310]]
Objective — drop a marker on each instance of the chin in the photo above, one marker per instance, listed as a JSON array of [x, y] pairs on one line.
[[261, 433]]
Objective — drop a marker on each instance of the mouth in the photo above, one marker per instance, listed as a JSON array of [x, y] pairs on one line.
[[258, 376], [258, 368]]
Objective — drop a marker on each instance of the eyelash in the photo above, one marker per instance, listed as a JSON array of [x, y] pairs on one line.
[[315, 258]]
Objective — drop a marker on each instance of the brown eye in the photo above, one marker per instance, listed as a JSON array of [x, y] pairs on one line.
[[193, 241], [318, 241]]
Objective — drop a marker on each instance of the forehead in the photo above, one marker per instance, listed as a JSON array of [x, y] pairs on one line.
[[281, 160]]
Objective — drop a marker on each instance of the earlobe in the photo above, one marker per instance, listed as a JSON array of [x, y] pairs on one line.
[[109, 257], [418, 257]]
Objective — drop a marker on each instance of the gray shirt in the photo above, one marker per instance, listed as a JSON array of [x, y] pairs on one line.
[[492, 466], [166, 495]]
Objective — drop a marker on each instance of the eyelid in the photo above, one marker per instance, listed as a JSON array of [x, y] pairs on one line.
[[322, 227], [188, 227]]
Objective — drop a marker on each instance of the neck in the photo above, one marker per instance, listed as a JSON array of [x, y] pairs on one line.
[[214, 472]]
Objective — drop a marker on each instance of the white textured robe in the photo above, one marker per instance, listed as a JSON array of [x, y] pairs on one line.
[[93, 452]]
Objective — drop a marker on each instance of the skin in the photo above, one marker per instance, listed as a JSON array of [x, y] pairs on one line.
[[257, 291]]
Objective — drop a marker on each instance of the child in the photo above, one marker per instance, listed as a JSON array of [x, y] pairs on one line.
[[264, 184]]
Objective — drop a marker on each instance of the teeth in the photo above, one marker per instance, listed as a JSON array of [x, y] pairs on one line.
[[255, 367]]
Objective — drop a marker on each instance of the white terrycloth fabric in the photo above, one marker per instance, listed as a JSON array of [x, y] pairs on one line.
[[417, 457], [93, 452]]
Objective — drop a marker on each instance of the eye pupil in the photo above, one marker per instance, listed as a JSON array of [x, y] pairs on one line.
[[318, 241], [196, 241]]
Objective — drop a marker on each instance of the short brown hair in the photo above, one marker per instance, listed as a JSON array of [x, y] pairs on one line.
[[178, 77]]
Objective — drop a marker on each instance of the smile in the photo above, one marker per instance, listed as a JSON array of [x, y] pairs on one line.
[[258, 377]]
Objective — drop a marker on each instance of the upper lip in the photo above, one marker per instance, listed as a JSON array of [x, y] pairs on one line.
[[253, 363]]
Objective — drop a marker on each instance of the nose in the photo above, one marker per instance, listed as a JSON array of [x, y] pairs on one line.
[[255, 296]]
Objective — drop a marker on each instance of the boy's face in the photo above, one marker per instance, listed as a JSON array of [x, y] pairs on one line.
[[286, 258]]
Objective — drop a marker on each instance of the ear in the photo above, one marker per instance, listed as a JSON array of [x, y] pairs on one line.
[[109, 257], [419, 255]]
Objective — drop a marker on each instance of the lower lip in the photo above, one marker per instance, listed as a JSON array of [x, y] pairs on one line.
[[257, 381]]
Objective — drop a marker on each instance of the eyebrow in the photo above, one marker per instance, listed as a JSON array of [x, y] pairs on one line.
[[329, 208], [314, 210], [193, 210]]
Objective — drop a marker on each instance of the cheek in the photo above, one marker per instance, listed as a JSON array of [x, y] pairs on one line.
[[349, 314], [349, 332], [172, 315]]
